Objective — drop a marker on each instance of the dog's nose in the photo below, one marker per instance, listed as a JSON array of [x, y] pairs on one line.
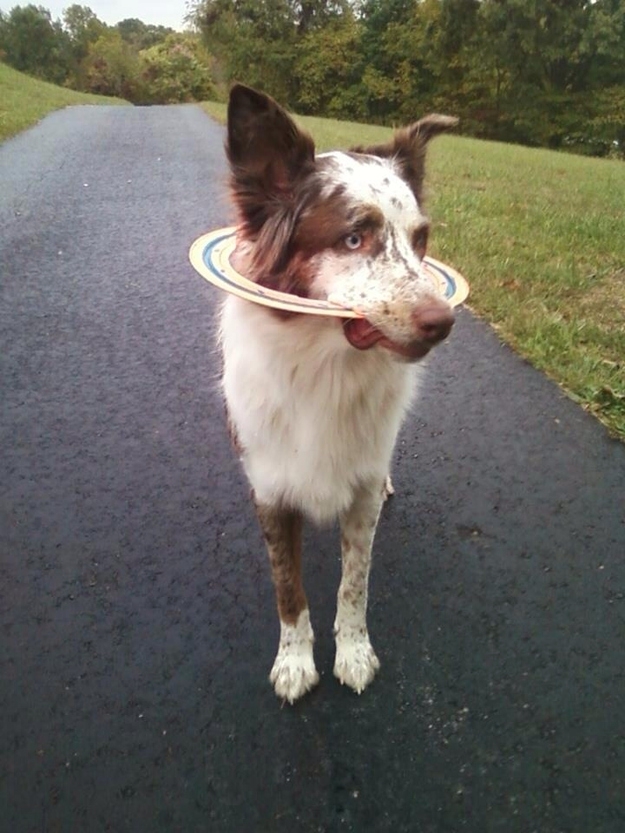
[[433, 322]]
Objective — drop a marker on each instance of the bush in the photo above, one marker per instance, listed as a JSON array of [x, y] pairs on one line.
[[175, 71]]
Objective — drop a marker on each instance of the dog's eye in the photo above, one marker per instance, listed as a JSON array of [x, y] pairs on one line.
[[353, 241]]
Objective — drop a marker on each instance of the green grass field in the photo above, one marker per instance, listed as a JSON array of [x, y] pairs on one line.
[[540, 236], [25, 100]]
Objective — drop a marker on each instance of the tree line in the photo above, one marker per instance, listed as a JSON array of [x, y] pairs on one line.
[[538, 72], [142, 63]]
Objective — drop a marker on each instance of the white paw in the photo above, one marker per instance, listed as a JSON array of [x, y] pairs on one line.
[[293, 673], [388, 490], [356, 663]]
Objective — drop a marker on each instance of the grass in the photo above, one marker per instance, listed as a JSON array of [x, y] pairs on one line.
[[540, 237], [25, 100]]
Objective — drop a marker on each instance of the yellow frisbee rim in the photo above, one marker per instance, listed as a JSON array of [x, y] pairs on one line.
[[211, 254]]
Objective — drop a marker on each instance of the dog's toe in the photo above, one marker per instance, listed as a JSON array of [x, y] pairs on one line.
[[356, 663]]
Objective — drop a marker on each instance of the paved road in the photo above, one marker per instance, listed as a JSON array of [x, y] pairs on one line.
[[136, 609]]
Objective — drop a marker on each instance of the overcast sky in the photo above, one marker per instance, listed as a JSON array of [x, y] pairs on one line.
[[159, 12]]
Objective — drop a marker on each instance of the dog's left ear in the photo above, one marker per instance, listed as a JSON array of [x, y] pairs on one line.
[[408, 147]]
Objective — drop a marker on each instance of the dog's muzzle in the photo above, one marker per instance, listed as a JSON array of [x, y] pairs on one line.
[[430, 324]]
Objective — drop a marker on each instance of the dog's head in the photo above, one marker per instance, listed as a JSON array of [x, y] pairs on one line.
[[343, 226]]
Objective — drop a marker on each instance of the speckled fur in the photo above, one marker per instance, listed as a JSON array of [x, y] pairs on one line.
[[316, 419], [356, 663]]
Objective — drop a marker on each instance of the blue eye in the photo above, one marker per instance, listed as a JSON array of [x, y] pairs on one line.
[[353, 241]]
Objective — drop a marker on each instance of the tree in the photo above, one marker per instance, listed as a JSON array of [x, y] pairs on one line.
[[543, 54], [542, 72], [317, 14], [113, 67], [142, 35], [252, 40], [176, 70], [329, 67], [82, 24], [401, 44], [34, 43], [83, 28]]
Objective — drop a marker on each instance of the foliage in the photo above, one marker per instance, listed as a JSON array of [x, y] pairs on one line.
[[113, 67], [537, 72], [32, 42], [142, 35], [137, 61], [174, 71], [82, 28], [330, 69], [252, 40]]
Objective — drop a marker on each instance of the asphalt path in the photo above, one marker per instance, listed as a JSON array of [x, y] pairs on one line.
[[136, 609]]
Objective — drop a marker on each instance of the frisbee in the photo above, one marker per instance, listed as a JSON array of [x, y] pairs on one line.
[[211, 256]]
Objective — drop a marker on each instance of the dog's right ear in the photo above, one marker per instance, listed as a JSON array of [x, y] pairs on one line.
[[268, 153], [408, 147]]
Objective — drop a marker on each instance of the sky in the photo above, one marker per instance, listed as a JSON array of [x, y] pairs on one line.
[[159, 12]]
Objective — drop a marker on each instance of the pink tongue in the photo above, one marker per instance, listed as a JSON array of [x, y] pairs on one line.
[[361, 334]]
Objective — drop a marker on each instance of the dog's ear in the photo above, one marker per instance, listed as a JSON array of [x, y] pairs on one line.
[[408, 147], [268, 153], [269, 159]]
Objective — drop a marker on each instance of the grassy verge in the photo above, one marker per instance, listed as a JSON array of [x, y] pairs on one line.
[[540, 237], [25, 100]]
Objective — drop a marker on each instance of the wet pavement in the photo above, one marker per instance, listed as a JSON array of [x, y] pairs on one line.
[[136, 609]]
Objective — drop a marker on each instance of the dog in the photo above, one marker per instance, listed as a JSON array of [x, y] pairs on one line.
[[314, 404]]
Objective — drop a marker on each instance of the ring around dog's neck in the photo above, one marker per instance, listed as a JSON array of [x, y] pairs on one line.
[[211, 255]]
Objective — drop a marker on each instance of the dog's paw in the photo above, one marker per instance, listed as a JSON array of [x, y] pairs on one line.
[[356, 663], [293, 673]]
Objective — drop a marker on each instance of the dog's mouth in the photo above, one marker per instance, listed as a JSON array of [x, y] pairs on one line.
[[363, 335]]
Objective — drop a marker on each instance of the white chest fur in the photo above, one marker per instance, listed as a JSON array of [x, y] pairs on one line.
[[314, 416]]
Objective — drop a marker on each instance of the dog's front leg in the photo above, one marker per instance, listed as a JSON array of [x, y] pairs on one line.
[[356, 662], [293, 672]]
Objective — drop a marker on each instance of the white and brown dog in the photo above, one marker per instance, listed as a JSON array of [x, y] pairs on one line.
[[314, 403]]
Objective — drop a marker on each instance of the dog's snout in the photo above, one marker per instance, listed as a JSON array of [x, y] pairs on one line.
[[433, 322]]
